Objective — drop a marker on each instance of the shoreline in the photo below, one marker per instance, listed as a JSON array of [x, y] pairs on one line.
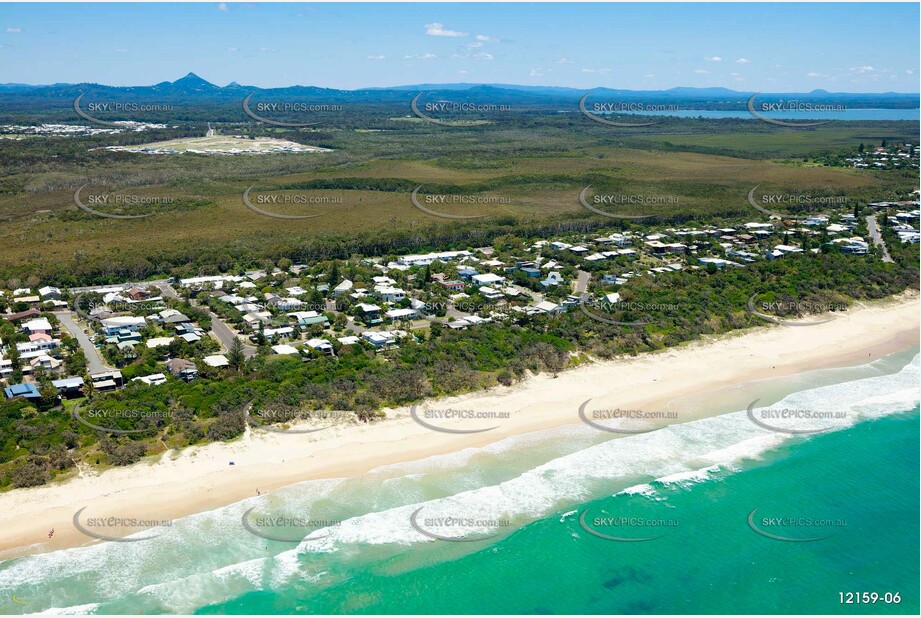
[[200, 479]]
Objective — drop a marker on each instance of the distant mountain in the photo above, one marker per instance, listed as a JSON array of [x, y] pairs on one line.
[[195, 90]]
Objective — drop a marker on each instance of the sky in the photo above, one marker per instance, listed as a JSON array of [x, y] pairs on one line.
[[751, 47]]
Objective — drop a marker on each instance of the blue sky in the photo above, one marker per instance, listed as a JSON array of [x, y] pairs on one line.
[[765, 47]]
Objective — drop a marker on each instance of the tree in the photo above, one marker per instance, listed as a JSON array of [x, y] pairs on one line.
[[235, 356]]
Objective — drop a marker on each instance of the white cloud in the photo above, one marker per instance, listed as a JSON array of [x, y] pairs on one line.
[[483, 56], [863, 69], [743, 61], [438, 29], [420, 57], [121, 50], [221, 6], [233, 50], [713, 59], [700, 71], [14, 30], [375, 57], [648, 75], [601, 71], [537, 73], [474, 45], [909, 72], [487, 39], [813, 74], [564, 60], [462, 72]]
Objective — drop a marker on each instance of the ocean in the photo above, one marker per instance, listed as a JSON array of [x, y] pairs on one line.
[[717, 515]]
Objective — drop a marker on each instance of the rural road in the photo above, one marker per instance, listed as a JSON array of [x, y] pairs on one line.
[[93, 359], [873, 228]]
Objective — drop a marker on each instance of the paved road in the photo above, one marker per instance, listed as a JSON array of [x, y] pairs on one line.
[[226, 336], [93, 359], [582, 282], [877, 237]]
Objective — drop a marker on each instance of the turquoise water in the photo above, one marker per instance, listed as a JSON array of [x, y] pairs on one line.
[[696, 483]]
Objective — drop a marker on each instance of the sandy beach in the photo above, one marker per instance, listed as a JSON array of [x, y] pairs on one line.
[[200, 478]]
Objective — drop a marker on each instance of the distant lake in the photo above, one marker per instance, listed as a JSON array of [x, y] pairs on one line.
[[849, 114]]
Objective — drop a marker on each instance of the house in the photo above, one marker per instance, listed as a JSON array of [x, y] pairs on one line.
[[216, 360], [781, 251], [391, 294], [320, 345], [38, 325], [255, 320], [107, 380], [453, 285], [157, 342], [530, 271], [487, 279], [170, 316], [26, 391], [154, 379], [69, 387], [370, 314], [428, 258], [548, 307], [718, 262], [309, 318], [50, 292], [113, 326], [343, 288], [183, 369], [137, 294], [349, 340], [552, 279], [401, 314], [6, 368], [379, 339], [284, 349], [284, 331], [490, 293]]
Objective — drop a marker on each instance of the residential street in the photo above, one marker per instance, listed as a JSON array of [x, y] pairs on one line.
[[873, 228], [93, 359]]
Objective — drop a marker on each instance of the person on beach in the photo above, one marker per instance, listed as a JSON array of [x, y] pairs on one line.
[[51, 533]]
